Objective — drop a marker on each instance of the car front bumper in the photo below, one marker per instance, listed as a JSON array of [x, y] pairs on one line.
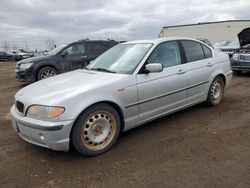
[[25, 75], [240, 65], [52, 135]]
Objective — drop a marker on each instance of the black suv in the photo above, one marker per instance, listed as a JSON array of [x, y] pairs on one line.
[[241, 58], [62, 59]]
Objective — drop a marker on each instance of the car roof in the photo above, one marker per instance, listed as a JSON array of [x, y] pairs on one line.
[[160, 40], [90, 40]]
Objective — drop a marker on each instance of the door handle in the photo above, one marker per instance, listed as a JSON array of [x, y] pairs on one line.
[[209, 64], [181, 71]]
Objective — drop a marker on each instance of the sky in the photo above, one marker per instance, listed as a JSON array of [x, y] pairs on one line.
[[35, 22]]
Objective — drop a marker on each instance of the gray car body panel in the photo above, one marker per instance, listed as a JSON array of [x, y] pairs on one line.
[[140, 97]]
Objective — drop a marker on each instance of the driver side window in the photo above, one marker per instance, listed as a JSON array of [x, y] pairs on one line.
[[167, 54], [75, 49]]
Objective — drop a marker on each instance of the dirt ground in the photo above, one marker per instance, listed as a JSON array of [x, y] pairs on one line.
[[197, 147]]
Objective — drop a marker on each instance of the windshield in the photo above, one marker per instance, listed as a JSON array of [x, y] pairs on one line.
[[121, 59], [56, 50]]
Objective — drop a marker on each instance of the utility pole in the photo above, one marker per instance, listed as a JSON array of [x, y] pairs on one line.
[[26, 45]]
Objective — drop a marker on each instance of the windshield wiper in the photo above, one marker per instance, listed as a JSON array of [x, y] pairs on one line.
[[103, 70]]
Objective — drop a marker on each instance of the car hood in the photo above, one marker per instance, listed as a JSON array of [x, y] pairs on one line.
[[229, 47], [34, 59], [55, 89], [244, 37]]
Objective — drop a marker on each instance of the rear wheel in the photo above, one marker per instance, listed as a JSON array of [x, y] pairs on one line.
[[96, 130], [216, 92], [46, 72]]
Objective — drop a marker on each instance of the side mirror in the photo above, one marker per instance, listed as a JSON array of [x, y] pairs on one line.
[[154, 67], [64, 53]]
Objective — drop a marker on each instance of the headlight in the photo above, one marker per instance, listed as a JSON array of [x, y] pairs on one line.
[[25, 65], [44, 112], [235, 56]]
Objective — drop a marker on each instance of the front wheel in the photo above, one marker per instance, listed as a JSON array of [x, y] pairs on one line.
[[216, 92], [96, 130], [46, 72]]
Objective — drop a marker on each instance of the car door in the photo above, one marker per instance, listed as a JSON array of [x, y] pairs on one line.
[[74, 57], [159, 93], [199, 69]]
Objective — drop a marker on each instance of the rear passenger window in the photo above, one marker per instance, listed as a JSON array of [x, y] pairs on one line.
[[96, 49], [193, 50], [207, 51]]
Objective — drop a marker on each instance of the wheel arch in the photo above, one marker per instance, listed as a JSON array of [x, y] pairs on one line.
[[223, 78], [113, 104]]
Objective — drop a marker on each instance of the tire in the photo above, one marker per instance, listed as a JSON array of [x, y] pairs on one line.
[[96, 130], [46, 72], [216, 92]]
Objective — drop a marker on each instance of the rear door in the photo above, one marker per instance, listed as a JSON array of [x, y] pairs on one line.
[[74, 58], [199, 69], [161, 92]]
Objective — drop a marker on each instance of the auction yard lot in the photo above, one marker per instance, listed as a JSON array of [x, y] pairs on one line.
[[197, 147]]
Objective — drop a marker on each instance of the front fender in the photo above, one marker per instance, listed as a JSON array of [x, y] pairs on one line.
[[75, 104], [47, 63]]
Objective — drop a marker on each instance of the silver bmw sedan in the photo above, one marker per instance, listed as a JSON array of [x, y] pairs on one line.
[[129, 85]]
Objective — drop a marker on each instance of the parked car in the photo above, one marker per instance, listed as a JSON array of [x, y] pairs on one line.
[[129, 85], [73, 56], [21, 55], [6, 56], [241, 58], [228, 47]]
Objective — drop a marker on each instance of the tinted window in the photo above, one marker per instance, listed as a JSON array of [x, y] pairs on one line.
[[167, 54], [193, 50], [95, 49], [76, 49], [207, 51]]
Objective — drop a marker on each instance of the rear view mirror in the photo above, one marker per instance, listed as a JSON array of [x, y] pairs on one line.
[[154, 67]]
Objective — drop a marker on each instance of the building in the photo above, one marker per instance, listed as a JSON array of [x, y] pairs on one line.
[[213, 31]]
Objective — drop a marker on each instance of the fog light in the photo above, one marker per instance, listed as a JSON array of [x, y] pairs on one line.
[[41, 137]]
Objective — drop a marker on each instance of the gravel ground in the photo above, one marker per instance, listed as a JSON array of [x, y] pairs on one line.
[[197, 147]]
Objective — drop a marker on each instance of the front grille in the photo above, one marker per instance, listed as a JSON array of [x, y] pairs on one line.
[[245, 57], [19, 106]]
